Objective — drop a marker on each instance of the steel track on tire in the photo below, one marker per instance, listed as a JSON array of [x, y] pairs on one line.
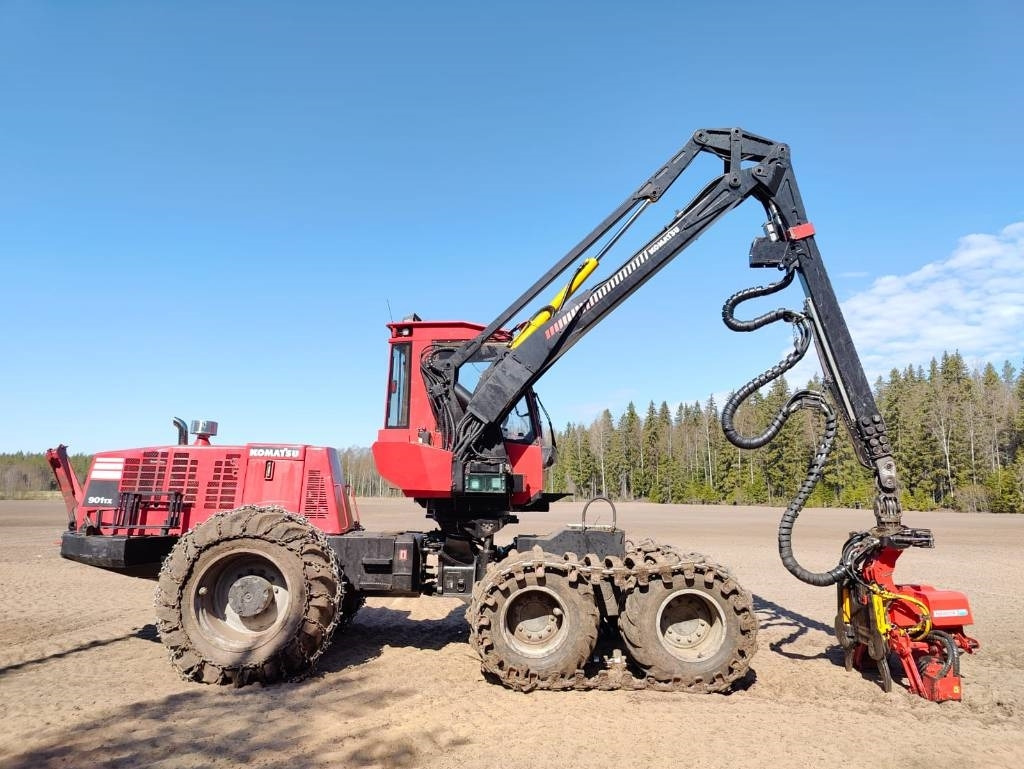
[[168, 608], [645, 562]]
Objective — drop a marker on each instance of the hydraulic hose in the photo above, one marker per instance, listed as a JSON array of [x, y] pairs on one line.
[[952, 656], [801, 343], [801, 399], [434, 382], [807, 398]]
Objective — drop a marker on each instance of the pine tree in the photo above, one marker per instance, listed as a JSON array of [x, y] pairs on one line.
[[629, 435], [602, 434], [783, 467], [661, 456], [650, 440], [580, 465]]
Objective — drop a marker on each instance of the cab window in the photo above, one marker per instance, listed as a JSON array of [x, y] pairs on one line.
[[518, 425], [398, 386]]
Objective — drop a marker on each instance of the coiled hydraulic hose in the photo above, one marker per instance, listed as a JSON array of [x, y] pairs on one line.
[[801, 399], [803, 331], [952, 655], [814, 472]]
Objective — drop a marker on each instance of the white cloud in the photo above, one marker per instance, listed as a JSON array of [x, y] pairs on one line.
[[972, 301]]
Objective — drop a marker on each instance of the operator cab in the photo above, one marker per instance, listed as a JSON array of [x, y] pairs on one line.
[[413, 451]]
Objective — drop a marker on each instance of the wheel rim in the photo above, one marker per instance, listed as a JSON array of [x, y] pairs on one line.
[[533, 621], [691, 626], [240, 600]]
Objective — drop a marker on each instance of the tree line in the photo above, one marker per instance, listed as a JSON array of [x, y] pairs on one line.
[[24, 475], [957, 435]]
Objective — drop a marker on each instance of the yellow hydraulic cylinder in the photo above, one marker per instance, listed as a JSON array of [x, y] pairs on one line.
[[542, 317]]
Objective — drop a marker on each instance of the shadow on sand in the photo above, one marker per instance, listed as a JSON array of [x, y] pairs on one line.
[[772, 615], [146, 633], [263, 725]]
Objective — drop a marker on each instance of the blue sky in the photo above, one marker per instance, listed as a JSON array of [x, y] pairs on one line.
[[208, 208]]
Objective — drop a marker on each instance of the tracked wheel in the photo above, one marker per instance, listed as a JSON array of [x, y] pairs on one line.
[[250, 595], [688, 621], [533, 619]]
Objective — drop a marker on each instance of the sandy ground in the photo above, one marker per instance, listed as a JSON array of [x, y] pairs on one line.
[[84, 680]]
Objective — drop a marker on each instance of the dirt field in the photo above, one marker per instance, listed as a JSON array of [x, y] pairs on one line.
[[84, 681]]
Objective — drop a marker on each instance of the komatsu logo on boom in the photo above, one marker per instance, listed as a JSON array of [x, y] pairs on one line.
[[274, 453], [656, 245]]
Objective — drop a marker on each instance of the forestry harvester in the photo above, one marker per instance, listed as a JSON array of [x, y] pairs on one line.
[[260, 555]]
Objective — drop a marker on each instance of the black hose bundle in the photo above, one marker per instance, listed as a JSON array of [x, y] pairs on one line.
[[814, 472], [801, 399]]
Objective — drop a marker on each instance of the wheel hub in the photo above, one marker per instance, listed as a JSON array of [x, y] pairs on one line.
[[534, 620], [691, 627], [687, 634], [250, 595]]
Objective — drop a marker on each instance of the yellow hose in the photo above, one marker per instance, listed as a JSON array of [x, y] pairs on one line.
[[544, 315], [881, 599]]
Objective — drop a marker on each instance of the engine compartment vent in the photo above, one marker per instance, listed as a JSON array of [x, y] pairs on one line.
[[314, 501], [222, 488]]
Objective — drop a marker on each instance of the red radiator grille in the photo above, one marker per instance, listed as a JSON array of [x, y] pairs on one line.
[[222, 488], [314, 504], [150, 473], [183, 476], [146, 473]]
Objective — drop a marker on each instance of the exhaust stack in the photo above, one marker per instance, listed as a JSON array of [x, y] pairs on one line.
[[182, 431]]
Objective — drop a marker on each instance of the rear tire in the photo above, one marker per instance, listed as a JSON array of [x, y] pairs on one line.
[[691, 624], [533, 617], [250, 595]]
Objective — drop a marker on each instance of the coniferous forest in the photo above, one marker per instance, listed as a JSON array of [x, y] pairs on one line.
[[958, 437]]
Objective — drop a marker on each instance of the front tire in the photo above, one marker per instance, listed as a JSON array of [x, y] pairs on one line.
[[533, 618], [690, 623], [250, 595]]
